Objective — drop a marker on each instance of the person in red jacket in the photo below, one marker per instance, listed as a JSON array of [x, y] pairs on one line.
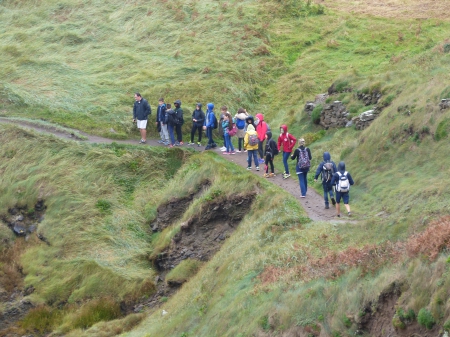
[[261, 129], [287, 141]]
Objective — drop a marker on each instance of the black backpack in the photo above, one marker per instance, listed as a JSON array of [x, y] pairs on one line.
[[215, 124]]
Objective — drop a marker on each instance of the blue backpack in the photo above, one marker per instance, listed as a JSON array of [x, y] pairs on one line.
[[240, 124]]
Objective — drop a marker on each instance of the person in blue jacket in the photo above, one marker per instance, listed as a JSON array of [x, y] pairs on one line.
[[210, 120], [338, 180], [141, 110], [326, 169]]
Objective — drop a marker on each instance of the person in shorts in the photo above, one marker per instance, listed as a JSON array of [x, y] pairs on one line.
[[141, 111]]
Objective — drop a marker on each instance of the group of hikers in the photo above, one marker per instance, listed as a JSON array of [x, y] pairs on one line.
[[251, 133]]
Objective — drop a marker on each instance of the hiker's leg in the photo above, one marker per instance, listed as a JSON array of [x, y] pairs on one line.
[[179, 134], [305, 179], [325, 192], [249, 158], [285, 163], [200, 133], [194, 128], [338, 201], [165, 132], [240, 143], [301, 179], [255, 157], [143, 134], [271, 164], [260, 149], [346, 198], [172, 136]]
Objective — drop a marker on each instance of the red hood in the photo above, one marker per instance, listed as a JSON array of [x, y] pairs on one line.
[[284, 127], [260, 117]]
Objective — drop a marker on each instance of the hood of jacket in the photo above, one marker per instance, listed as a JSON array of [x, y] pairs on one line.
[[269, 135], [326, 156], [199, 105], [250, 127], [210, 107], [284, 127], [260, 117], [250, 120], [341, 167]]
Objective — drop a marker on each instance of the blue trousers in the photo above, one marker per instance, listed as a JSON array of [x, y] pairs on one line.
[[285, 161], [327, 189], [254, 154], [303, 182], [228, 143]]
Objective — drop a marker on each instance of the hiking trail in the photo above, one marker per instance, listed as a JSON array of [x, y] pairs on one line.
[[313, 203]]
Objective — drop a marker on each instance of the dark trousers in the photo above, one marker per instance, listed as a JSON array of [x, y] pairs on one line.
[[260, 149], [179, 134], [196, 127], [269, 161], [241, 143], [209, 134]]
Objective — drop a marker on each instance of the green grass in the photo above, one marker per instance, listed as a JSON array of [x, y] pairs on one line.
[[78, 64]]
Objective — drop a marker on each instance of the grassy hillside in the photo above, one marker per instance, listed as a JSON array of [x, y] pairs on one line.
[[78, 63]]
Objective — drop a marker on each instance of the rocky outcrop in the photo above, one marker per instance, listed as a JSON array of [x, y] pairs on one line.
[[369, 99], [445, 103], [310, 105], [364, 119], [334, 115]]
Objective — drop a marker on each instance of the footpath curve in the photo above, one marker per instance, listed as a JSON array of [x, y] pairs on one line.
[[313, 203]]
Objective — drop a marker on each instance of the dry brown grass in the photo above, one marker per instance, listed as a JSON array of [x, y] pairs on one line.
[[406, 9], [432, 241], [10, 269]]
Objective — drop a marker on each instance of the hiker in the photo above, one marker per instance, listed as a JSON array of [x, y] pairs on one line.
[[198, 119], [326, 169], [240, 117], [303, 156], [261, 129], [342, 180], [160, 122], [249, 120], [141, 110], [170, 121], [179, 121], [287, 141], [222, 116], [251, 145], [210, 123], [270, 152], [227, 124]]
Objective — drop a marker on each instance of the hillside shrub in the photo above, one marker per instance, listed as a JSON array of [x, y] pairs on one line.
[[447, 325], [315, 114], [313, 137], [425, 318], [441, 130], [42, 319]]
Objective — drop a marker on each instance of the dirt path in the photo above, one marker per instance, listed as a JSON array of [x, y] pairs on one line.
[[313, 203]]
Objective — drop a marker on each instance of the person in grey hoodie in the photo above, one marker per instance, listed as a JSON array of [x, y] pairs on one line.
[[326, 169]]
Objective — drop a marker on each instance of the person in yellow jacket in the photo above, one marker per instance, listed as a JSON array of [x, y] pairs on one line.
[[251, 143]]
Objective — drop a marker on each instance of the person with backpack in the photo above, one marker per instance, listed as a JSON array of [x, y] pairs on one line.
[[287, 141], [270, 152], [240, 117], [179, 121], [160, 122], [326, 169], [170, 121], [141, 110], [210, 125], [303, 156], [221, 134], [198, 119], [261, 129], [342, 180], [251, 142], [227, 124]]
